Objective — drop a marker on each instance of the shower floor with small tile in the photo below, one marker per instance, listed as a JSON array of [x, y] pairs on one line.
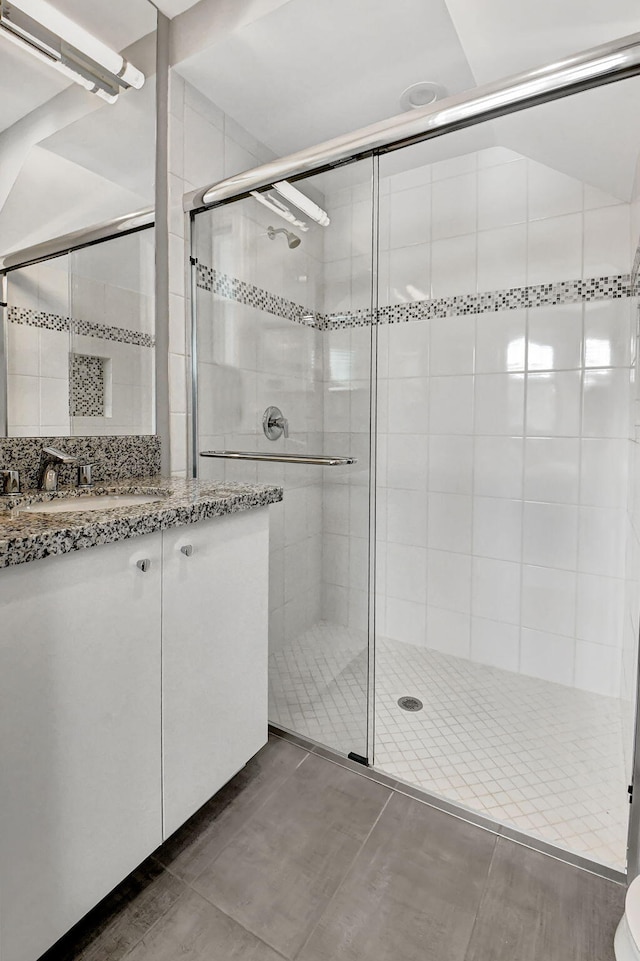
[[541, 757]]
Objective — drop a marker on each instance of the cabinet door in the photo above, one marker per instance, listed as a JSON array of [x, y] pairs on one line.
[[214, 652], [80, 732]]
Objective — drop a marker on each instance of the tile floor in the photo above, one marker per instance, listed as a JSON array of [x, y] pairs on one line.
[[304, 859], [541, 757]]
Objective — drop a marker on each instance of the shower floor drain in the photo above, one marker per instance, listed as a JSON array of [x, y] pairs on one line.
[[410, 704]]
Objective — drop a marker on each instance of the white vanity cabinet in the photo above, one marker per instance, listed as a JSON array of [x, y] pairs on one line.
[[214, 649], [133, 676], [80, 735]]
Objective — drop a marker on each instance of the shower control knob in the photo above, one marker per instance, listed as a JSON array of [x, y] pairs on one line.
[[274, 423], [144, 565], [187, 549]]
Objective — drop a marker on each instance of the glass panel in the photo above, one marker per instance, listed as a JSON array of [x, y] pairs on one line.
[[505, 531], [111, 366], [273, 296], [38, 350]]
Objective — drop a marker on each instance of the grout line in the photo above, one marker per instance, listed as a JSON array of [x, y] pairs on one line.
[[344, 877]]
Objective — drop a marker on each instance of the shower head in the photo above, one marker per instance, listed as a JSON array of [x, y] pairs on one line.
[[292, 239]]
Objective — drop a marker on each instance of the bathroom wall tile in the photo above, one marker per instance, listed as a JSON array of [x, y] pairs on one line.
[[497, 466], [449, 580], [23, 349], [452, 348], [598, 668], [606, 403], [497, 529], [406, 621], [410, 216], [407, 458], [408, 405], [502, 257], [552, 193], [602, 541], [451, 405], [547, 656], [407, 349], [555, 337], [553, 403], [450, 523], [604, 472], [406, 572], [453, 207], [599, 609], [448, 631], [409, 274], [500, 342], [550, 535], [608, 333], [552, 469], [453, 266], [496, 590], [23, 400], [555, 249], [495, 643], [54, 402], [502, 195], [407, 517], [606, 241], [549, 600], [499, 404], [450, 464]]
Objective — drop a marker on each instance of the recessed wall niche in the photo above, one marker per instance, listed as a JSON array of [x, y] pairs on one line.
[[89, 386]]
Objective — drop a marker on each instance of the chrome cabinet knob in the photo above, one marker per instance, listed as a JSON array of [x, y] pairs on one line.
[[187, 549], [144, 565]]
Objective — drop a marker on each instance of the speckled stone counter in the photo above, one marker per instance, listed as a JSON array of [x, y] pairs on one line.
[[30, 537]]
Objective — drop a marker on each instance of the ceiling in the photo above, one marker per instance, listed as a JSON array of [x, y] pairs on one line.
[[313, 69], [27, 83]]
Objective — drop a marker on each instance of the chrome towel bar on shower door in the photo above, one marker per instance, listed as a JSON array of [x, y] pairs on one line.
[[321, 460]]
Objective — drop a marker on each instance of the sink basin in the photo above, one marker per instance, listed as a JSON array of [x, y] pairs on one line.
[[88, 502]]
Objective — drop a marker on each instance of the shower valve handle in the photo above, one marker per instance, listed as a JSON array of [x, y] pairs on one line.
[[274, 423]]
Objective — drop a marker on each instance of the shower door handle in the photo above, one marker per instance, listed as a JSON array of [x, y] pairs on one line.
[[319, 460]]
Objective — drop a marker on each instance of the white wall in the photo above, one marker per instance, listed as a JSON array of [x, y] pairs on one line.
[[504, 452]]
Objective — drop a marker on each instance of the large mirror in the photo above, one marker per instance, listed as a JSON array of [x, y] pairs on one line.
[[77, 150]]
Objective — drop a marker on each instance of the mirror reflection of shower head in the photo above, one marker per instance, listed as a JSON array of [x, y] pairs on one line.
[[292, 239]]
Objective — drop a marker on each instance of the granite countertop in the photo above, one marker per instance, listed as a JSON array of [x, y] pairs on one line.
[[30, 537]]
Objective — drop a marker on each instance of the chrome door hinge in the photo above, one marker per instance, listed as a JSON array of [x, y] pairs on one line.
[[630, 793]]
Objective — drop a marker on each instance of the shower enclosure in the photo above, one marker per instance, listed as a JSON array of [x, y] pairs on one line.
[[430, 342]]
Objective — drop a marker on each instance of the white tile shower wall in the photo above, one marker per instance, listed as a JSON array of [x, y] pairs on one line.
[[250, 359], [502, 480], [37, 357], [630, 614], [204, 146]]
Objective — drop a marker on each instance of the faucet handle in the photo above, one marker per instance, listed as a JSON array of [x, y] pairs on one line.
[[10, 485], [84, 475]]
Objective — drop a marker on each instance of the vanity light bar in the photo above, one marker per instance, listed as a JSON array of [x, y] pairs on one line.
[[302, 202], [36, 26], [274, 205]]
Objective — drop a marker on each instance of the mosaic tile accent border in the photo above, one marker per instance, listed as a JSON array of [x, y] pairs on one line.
[[224, 285], [615, 287], [48, 321], [114, 457]]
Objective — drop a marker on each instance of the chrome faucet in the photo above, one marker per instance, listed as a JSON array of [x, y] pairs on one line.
[[50, 460]]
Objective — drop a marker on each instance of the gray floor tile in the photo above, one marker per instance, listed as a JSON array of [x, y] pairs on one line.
[[122, 918], [412, 893], [194, 930], [187, 852], [537, 909], [281, 869]]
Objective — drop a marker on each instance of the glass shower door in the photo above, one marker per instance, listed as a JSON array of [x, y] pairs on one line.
[[283, 368]]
